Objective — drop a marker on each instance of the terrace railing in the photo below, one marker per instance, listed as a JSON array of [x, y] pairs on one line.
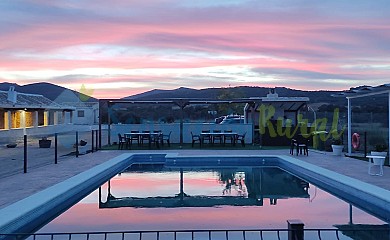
[[22, 153], [258, 234]]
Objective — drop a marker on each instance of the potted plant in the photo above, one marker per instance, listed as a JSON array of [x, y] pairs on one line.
[[11, 145], [44, 143], [380, 150], [337, 146]]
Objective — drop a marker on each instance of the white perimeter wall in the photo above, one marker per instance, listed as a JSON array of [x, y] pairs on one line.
[[90, 116], [7, 136], [196, 128]]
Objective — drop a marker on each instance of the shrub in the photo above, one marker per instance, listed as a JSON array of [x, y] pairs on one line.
[[380, 147], [337, 141]]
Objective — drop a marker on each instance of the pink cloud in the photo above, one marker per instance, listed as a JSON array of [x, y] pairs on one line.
[[311, 47]]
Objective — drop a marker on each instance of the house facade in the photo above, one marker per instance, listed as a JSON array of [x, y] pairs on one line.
[[86, 111], [32, 114]]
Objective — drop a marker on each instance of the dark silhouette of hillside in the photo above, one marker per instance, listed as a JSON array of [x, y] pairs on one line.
[[212, 93], [51, 91]]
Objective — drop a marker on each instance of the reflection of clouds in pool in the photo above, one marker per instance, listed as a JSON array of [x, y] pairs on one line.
[[86, 217], [323, 212]]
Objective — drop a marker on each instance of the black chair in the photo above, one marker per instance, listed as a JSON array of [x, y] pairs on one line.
[[122, 142], [166, 138], [195, 138], [292, 146], [301, 144], [156, 138], [241, 138], [230, 138], [134, 136], [145, 137], [206, 136], [218, 137]]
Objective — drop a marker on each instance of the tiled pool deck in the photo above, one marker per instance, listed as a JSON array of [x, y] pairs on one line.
[[19, 186]]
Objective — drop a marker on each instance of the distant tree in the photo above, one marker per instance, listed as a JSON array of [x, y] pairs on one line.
[[168, 119], [331, 108], [232, 108]]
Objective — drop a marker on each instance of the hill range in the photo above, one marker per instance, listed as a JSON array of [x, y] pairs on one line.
[[52, 91], [244, 91], [49, 90]]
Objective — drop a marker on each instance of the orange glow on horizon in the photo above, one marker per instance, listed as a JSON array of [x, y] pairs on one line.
[[187, 44]]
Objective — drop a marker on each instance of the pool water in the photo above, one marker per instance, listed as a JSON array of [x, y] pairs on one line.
[[199, 198]]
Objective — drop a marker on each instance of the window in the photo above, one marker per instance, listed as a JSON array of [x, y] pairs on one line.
[[80, 113]]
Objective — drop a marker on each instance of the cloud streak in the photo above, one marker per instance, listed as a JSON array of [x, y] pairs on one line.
[[168, 43]]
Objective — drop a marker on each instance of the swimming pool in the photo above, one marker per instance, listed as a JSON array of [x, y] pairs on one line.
[[205, 198], [258, 211]]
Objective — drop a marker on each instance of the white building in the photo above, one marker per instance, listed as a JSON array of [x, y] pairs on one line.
[[86, 112], [284, 107], [31, 114]]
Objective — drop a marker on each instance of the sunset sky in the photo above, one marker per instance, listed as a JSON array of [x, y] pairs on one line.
[[118, 48]]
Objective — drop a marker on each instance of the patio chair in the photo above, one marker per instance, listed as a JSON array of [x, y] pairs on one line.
[[301, 144], [292, 146], [218, 137], [122, 142], [156, 139], [195, 138], [166, 138], [134, 137], [145, 137], [230, 138], [241, 138], [206, 137]]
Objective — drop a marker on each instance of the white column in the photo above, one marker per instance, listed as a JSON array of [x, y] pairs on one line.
[[64, 121], [388, 148], [45, 118], [7, 120], [35, 123], [71, 117], [349, 127], [55, 120], [22, 119]]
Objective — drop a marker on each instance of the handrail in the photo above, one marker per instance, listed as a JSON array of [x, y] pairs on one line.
[[220, 234]]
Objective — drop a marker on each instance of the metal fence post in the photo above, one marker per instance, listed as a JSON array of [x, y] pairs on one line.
[[295, 229], [365, 144], [96, 140], [25, 154], [77, 144], [92, 140], [55, 149], [98, 146]]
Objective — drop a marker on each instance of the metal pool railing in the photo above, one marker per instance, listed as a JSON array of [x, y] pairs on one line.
[[266, 234]]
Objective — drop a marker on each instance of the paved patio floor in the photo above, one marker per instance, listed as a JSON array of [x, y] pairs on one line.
[[21, 185]]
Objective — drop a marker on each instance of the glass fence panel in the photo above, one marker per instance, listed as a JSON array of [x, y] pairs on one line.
[[66, 145], [40, 150], [104, 136], [12, 155]]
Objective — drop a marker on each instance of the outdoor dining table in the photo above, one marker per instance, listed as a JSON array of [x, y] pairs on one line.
[[149, 135], [214, 135]]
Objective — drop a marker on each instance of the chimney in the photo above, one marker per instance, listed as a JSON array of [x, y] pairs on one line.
[[272, 94], [12, 94]]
